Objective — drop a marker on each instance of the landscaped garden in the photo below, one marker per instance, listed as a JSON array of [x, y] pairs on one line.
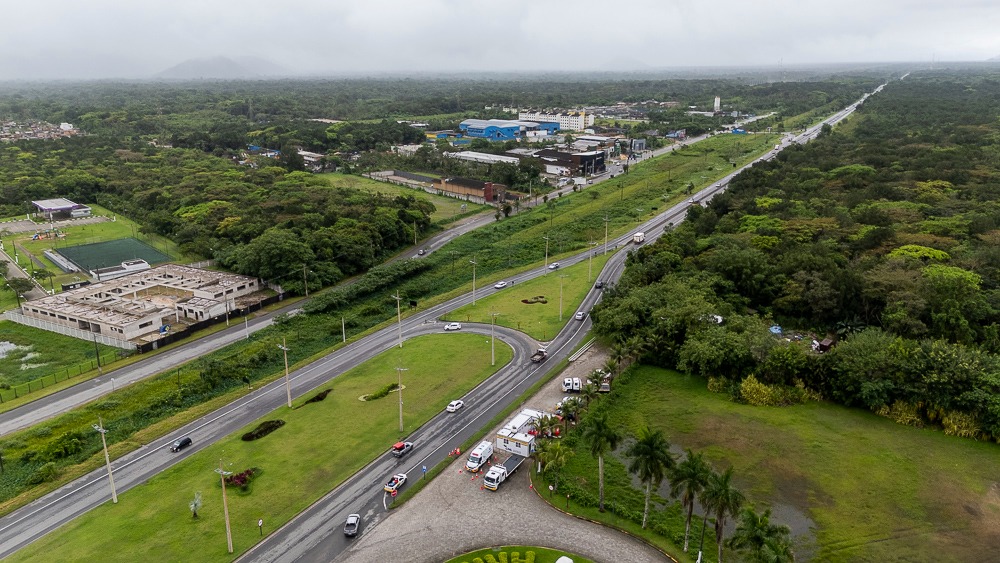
[[319, 446], [516, 554]]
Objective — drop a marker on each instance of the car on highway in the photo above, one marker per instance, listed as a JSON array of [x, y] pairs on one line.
[[352, 525], [454, 406], [395, 483], [399, 449], [554, 266], [580, 315], [180, 444], [453, 326], [421, 252], [599, 284], [500, 285]]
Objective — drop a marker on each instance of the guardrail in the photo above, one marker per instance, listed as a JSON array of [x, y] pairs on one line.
[[576, 355]]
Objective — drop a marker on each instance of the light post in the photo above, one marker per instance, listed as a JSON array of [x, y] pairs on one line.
[[225, 505], [546, 253], [606, 221], [493, 357], [473, 262], [590, 265], [399, 387], [107, 459], [561, 277], [399, 317], [288, 387]]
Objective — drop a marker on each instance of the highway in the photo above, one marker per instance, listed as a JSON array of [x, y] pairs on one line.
[[308, 537]]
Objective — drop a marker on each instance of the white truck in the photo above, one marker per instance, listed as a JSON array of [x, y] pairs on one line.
[[639, 238], [500, 472], [479, 457], [515, 436], [580, 181]]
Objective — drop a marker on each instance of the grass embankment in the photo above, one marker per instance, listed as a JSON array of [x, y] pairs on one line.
[[873, 490], [533, 306], [320, 446], [36, 353], [446, 208], [516, 553]]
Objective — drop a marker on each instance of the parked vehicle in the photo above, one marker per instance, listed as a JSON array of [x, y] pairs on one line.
[[180, 444], [567, 385], [479, 457], [395, 483], [639, 238], [453, 326], [454, 406], [500, 472], [518, 435], [539, 355], [577, 385], [402, 448], [352, 525]]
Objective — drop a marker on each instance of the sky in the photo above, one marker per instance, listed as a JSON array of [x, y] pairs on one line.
[[92, 39]]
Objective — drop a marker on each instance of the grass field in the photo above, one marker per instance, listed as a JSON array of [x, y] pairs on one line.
[[447, 207], [853, 486], [28, 353], [541, 555], [539, 317], [320, 445]]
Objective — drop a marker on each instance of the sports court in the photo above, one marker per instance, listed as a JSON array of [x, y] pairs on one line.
[[111, 253]]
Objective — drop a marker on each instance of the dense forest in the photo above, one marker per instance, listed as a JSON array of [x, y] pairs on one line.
[[883, 234]]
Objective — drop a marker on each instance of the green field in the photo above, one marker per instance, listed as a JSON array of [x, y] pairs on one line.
[[321, 445], [852, 485], [541, 555], [447, 208], [41, 353], [533, 306]]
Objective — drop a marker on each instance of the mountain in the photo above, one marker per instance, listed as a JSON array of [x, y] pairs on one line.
[[223, 68]]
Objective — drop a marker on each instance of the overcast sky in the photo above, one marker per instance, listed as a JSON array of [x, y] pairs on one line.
[[71, 39]]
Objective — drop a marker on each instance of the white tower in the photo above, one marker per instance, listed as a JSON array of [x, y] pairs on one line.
[[718, 104]]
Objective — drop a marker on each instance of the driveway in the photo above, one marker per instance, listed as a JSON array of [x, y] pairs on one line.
[[455, 515]]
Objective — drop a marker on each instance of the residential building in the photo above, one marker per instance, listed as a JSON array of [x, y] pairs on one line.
[[573, 120]]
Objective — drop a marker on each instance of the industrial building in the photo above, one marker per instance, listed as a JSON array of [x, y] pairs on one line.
[[53, 209], [572, 163], [139, 307], [483, 157], [506, 130], [573, 120], [472, 190]]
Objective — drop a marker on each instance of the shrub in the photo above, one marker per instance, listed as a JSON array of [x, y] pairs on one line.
[[960, 424], [243, 479], [43, 474], [382, 392], [263, 429], [318, 396]]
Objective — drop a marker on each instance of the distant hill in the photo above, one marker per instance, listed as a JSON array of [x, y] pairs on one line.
[[223, 68], [995, 59]]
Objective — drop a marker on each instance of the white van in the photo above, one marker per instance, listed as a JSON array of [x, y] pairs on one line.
[[479, 456], [567, 385], [577, 385]]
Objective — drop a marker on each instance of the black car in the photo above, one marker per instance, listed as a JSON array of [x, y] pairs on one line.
[[180, 444], [352, 525], [599, 284]]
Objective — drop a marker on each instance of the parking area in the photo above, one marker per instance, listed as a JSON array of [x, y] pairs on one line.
[[454, 514]]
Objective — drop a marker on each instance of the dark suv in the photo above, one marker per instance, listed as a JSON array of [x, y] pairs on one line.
[[180, 444]]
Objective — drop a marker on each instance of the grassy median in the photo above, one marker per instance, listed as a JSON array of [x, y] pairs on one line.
[[322, 444]]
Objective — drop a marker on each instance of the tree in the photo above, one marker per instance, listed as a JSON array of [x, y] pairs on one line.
[[19, 286], [588, 393], [687, 481], [555, 457], [721, 499], [651, 459], [760, 540], [195, 505], [570, 410], [601, 438]]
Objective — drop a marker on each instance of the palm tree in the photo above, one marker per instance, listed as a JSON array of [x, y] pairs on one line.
[[722, 499], [619, 354], [556, 456], [611, 366], [687, 481], [570, 409], [761, 540], [588, 393], [545, 425], [651, 459], [595, 378], [601, 438]]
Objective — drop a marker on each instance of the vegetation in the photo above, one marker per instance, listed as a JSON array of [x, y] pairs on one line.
[[516, 554], [27, 354]]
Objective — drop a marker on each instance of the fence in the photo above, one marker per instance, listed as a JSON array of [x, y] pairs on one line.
[[69, 331], [23, 389]]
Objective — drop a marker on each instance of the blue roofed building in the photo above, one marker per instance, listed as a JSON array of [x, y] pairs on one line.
[[506, 130]]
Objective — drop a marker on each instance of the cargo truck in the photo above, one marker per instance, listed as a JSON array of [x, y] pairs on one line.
[[540, 354], [639, 238], [499, 473]]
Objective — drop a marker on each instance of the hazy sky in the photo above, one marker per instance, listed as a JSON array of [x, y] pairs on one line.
[[42, 39]]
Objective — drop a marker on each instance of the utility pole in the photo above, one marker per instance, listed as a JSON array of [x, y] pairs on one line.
[[107, 459], [97, 352], [493, 356], [590, 259], [606, 221], [399, 384], [414, 232], [561, 277], [225, 505], [305, 280], [546, 252], [399, 317], [343, 329], [288, 387], [473, 262]]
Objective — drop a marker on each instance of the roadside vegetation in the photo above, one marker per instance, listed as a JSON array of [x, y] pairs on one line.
[[321, 444], [516, 554]]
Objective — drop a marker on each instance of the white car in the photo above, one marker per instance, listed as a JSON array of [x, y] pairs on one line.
[[454, 406], [554, 265], [453, 326], [580, 315], [500, 285]]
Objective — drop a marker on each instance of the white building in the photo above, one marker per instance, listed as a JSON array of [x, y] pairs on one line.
[[573, 121], [483, 157]]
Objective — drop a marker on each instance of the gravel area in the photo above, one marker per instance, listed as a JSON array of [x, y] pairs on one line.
[[455, 515]]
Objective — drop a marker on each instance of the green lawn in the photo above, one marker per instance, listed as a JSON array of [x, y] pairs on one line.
[[446, 207], [533, 306], [872, 490], [321, 445], [541, 555], [41, 353]]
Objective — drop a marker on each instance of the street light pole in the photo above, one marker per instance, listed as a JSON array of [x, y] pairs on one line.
[[225, 505], [399, 317], [107, 459], [546, 252], [305, 280], [399, 388], [473, 262], [560, 297], [288, 387], [606, 221], [493, 356], [590, 263]]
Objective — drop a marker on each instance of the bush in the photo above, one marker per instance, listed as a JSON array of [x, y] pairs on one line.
[[263, 429], [382, 392], [318, 396], [243, 479], [44, 474]]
